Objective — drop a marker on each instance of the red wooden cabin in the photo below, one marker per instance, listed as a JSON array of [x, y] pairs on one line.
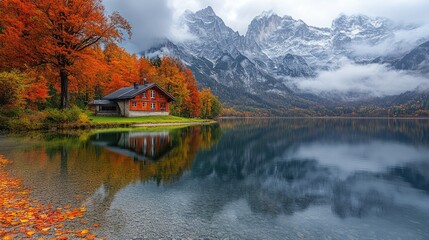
[[138, 100]]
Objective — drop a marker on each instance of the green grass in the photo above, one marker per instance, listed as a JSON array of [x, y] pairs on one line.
[[147, 119]]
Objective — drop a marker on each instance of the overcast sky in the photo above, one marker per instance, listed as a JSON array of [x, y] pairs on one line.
[[155, 18]]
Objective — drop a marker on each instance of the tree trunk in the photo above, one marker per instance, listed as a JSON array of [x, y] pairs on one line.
[[64, 89]]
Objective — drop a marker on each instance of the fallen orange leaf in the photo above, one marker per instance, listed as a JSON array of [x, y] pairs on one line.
[[91, 236]]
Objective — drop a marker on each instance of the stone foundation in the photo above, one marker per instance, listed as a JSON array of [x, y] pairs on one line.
[[145, 113]]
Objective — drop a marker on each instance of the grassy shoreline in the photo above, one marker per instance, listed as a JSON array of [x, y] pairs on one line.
[[90, 121], [140, 120], [148, 121]]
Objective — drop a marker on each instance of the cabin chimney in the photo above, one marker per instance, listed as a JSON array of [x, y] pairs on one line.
[[136, 85], [145, 81]]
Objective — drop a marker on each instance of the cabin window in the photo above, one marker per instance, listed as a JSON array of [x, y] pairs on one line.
[[134, 104], [144, 95], [144, 104], [108, 108], [152, 93], [161, 95], [152, 105]]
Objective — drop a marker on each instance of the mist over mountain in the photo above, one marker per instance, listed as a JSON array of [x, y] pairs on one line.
[[283, 63]]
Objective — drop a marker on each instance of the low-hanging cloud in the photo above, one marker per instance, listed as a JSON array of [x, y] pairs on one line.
[[400, 42], [150, 20], [372, 80]]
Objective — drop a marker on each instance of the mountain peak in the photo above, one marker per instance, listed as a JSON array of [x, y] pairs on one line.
[[266, 14], [208, 11]]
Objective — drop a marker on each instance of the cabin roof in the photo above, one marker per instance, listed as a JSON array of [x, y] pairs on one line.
[[132, 91]]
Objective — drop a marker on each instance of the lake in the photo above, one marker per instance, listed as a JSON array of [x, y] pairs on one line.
[[239, 179]]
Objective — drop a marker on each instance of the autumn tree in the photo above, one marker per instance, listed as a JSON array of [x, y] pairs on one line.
[[35, 89], [55, 32], [216, 107], [90, 75], [210, 105], [146, 69], [170, 77], [123, 68], [193, 105]]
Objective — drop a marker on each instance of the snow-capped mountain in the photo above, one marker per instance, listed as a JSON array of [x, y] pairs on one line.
[[278, 36], [346, 30], [273, 51], [212, 36]]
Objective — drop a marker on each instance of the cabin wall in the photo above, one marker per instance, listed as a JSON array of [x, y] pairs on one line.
[[146, 105], [124, 107]]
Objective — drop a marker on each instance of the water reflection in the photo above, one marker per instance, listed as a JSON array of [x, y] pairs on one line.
[[358, 167], [244, 174], [61, 166], [139, 145]]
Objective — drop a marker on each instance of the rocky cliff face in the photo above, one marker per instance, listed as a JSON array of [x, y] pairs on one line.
[[416, 60]]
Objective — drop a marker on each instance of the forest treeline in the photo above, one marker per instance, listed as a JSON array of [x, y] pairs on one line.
[[57, 54]]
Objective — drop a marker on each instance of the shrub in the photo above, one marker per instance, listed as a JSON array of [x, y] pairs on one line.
[[11, 89], [55, 117], [59, 118], [28, 120], [19, 120], [4, 122], [7, 116]]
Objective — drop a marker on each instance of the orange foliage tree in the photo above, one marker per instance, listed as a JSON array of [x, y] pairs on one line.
[[89, 75], [55, 32], [193, 106], [181, 83], [123, 68]]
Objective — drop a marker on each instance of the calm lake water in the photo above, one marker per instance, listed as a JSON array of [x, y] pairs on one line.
[[240, 179]]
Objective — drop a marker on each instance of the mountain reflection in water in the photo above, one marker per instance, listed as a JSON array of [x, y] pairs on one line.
[[359, 167], [250, 174]]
